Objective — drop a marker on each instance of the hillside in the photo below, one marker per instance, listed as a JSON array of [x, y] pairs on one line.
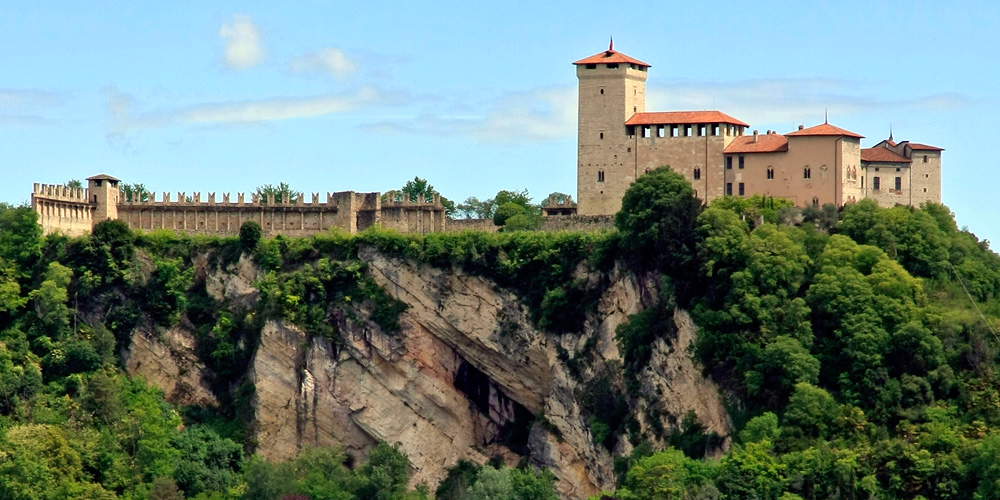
[[745, 349]]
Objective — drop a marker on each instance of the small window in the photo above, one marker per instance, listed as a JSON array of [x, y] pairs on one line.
[[602, 135], [925, 190], [702, 130], [646, 132], [715, 129], [925, 158], [661, 131], [927, 176], [591, 66], [729, 189], [862, 182], [634, 91], [729, 163], [899, 183], [97, 182], [674, 131], [876, 183], [687, 130], [602, 91], [635, 109], [630, 131], [815, 202], [612, 65], [697, 174], [742, 190], [876, 169], [897, 169], [807, 173], [742, 162], [629, 150], [600, 176], [770, 173]]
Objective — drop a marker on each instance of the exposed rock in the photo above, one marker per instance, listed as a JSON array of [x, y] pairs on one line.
[[170, 362], [234, 285]]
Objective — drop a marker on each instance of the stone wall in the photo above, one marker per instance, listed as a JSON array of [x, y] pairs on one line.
[[578, 223], [62, 208], [459, 225]]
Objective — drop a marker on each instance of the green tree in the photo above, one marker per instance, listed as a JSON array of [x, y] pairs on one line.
[[20, 237], [419, 190], [74, 183], [282, 193], [751, 471], [811, 411], [250, 235], [135, 192], [474, 208]]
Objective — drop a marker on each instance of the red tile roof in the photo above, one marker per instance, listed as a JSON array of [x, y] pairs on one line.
[[766, 143], [678, 117], [924, 147], [824, 129], [882, 155], [610, 56]]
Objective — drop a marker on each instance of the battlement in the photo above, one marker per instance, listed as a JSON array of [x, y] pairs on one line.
[[60, 192], [242, 200]]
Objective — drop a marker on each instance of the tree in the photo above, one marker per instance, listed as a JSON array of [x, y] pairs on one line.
[[473, 208], [282, 193], [658, 222], [420, 191], [20, 237], [74, 183], [135, 192], [250, 234]]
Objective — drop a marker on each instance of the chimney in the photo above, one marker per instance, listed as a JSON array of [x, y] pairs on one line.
[[755, 136], [801, 127]]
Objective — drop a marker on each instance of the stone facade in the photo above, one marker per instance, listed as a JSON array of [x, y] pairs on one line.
[[619, 141], [902, 173], [75, 211]]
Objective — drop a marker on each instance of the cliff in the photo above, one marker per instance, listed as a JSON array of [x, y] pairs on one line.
[[468, 375]]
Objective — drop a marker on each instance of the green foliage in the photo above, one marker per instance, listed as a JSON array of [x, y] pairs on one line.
[[135, 192], [20, 238], [250, 234], [419, 190], [282, 193], [669, 474]]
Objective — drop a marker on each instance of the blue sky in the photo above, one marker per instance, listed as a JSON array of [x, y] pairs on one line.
[[330, 96]]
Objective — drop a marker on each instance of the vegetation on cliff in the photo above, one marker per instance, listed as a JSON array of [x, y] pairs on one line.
[[858, 347]]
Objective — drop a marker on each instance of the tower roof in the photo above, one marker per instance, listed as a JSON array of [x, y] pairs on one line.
[[680, 117], [924, 147], [102, 177], [823, 129], [882, 155], [758, 143], [610, 56]]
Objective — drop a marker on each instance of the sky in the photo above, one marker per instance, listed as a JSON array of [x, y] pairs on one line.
[[475, 97]]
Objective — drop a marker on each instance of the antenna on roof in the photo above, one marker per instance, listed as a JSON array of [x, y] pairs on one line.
[[890, 131], [826, 115], [611, 46]]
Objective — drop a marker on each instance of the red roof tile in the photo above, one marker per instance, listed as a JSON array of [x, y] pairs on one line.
[[766, 143], [924, 147], [882, 155], [677, 117], [610, 56], [824, 129]]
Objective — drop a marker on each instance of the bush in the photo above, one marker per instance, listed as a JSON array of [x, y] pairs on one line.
[[250, 234]]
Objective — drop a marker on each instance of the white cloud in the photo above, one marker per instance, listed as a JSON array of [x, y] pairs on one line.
[[331, 60], [243, 42], [26, 107], [124, 119]]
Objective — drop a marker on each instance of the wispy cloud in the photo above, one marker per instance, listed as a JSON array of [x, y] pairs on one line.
[[124, 117], [532, 116], [243, 45], [787, 100], [330, 60], [26, 107]]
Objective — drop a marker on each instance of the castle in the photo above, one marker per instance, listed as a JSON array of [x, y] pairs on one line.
[[619, 141], [74, 211]]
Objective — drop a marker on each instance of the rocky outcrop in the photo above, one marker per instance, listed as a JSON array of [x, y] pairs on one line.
[[169, 361], [468, 376]]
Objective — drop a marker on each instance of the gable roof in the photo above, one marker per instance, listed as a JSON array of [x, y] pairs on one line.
[[681, 117], [823, 129], [924, 147], [610, 56], [766, 143], [882, 155]]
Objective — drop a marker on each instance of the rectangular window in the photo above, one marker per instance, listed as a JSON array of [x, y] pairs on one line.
[[630, 131], [742, 163], [661, 131], [925, 158], [701, 131], [729, 189], [600, 176], [770, 173], [687, 130], [715, 129], [742, 190], [673, 131], [645, 132], [807, 173], [591, 66], [899, 183], [602, 135], [613, 66], [875, 183], [729, 163], [697, 174]]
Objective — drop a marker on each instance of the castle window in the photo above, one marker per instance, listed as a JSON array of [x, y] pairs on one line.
[[897, 169], [815, 202], [602, 91], [600, 176], [770, 173], [661, 131], [876, 169], [97, 182], [612, 65], [925, 158], [742, 162], [807, 173], [629, 150], [862, 182], [646, 132], [899, 183], [602, 135], [729, 163], [729, 189], [742, 191], [701, 130], [876, 183], [925, 190], [715, 129], [635, 109], [696, 174], [634, 91], [687, 130], [927, 176], [674, 131], [630, 131], [591, 66]]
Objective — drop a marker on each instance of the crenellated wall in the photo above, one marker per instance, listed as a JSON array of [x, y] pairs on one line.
[[62, 208]]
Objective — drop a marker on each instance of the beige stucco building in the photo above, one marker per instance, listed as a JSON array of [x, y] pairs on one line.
[[619, 141]]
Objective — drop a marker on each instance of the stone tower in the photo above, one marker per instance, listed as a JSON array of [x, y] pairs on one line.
[[612, 89], [103, 192]]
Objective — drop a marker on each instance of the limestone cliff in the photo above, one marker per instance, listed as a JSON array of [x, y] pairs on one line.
[[469, 376]]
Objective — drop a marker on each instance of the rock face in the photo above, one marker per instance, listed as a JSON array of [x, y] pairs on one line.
[[169, 361], [468, 376]]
